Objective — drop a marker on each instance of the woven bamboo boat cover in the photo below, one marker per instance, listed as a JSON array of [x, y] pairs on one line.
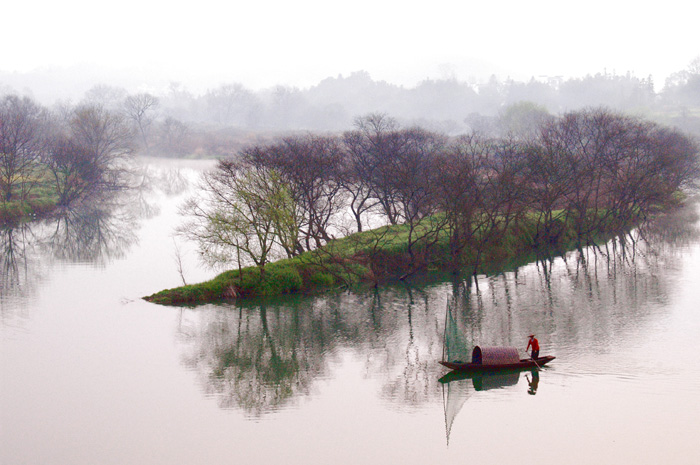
[[495, 355]]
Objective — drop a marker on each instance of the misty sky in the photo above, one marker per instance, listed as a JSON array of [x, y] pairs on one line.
[[266, 42]]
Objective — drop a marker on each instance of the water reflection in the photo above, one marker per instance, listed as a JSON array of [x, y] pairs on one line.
[[484, 381], [533, 383], [584, 299], [150, 178], [95, 231], [13, 244], [458, 387], [20, 272], [92, 233], [261, 357]]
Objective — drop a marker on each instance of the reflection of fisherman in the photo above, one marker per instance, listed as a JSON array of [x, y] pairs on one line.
[[535, 381], [535, 346]]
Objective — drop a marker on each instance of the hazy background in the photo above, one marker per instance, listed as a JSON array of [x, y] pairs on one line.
[[145, 45], [221, 77]]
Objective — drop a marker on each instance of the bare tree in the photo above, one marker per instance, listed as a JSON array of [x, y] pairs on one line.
[[242, 214], [648, 171], [177, 256], [481, 194], [414, 188], [21, 125], [109, 97], [459, 193], [503, 208], [108, 140], [310, 166], [545, 188], [375, 142], [174, 138], [580, 141], [71, 167], [232, 104], [601, 170], [140, 110], [356, 174]]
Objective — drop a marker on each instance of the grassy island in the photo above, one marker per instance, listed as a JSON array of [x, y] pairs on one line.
[[467, 204], [368, 259]]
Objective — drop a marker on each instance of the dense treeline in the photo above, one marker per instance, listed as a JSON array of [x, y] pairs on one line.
[[449, 105], [225, 119], [583, 174], [219, 122], [50, 158]]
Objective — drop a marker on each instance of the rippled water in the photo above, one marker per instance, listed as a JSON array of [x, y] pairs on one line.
[[90, 373]]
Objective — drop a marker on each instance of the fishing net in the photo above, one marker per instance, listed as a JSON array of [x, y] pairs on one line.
[[456, 348], [454, 395]]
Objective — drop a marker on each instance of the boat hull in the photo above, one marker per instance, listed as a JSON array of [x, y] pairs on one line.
[[523, 363]]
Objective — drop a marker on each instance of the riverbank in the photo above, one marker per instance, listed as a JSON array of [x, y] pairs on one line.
[[371, 258], [28, 209]]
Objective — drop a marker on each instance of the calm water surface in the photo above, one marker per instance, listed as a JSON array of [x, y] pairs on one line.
[[92, 374]]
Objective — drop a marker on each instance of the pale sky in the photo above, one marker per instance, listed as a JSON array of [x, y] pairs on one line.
[[265, 42]]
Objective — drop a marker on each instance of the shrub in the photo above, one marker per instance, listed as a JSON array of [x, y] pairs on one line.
[[321, 279]]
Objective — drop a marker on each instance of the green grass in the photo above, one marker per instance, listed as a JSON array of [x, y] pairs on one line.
[[19, 210], [369, 257], [41, 200]]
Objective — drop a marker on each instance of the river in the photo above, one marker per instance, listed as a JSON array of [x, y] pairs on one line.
[[92, 374]]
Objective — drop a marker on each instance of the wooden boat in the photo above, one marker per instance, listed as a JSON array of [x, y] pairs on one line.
[[484, 359], [522, 363], [496, 358]]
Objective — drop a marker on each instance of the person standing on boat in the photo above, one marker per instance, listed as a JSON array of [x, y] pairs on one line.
[[535, 346]]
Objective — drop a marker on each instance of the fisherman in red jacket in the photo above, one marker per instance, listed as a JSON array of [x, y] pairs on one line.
[[535, 346]]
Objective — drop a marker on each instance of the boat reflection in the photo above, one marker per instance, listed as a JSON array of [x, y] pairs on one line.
[[484, 381], [457, 388]]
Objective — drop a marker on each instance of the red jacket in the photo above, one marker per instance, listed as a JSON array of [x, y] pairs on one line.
[[534, 343]]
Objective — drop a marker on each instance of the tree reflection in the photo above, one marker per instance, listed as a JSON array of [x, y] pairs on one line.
[[18, 273], [148, 179], [261, 357], [93, 232], [13, 259]]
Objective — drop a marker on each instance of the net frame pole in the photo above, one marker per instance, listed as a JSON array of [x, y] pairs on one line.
[[444, 334]]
